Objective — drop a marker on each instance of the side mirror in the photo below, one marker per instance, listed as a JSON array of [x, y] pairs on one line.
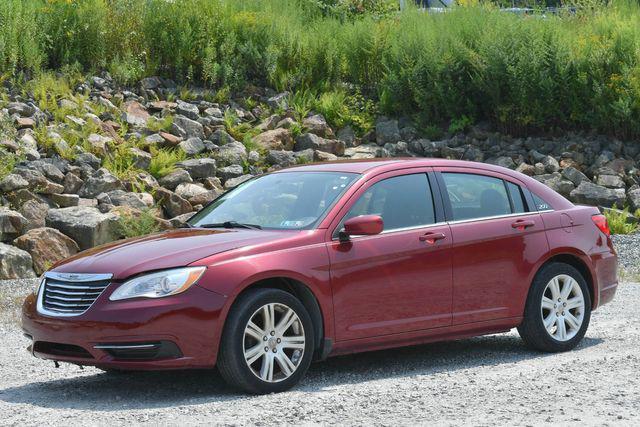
[[363, 225]]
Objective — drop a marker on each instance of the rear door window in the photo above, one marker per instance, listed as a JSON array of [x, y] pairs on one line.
[[517, 198], [476, 196]]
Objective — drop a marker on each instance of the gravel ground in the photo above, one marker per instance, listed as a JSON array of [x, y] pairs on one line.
[[628, 248], [481, 381]]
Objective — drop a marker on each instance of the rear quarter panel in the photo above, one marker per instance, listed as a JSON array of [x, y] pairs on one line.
[[572, 232]]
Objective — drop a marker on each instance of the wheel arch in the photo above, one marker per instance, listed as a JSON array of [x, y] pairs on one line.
[[579, 264], [305, 295]]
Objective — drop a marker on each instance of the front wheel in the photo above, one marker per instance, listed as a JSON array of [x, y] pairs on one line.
[[267, 343], [558, 309]]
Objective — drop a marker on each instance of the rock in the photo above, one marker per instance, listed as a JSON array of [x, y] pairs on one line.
[[321, 156], [504, 161], [286, 123], [151, 83], [550, 164], [180, 220], [162, 105], [187, 110], [173, 204], [366, 151], [139, 201], [46, 247], [229, 172], [222, 137], [72, 183], [610, 181], [35, 178], [141, 159], [101, 182], [189, 190], [65, 200], [88, 159], [205, 198], [214, 112], [35, 213], [347, 135], [314, 142], [199, 168], [25, 123], [234, 182], [49, 170], [279, 101], [277, 139], [86, 225], [135, 114], [556, 182], [192, 146], [13, 182], [169, 139], [187, 128], [574, 175], [212, 183], [21, 109], [231, 153], [15, 263], [281, 158], [12, 224], [175, 178], [633, 199], [387, 132], [318, 125], [593, 194]]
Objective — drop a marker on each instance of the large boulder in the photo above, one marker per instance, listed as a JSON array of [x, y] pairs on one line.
[[593, 194], [175, 178], [387, 132], [135, 114], [173, 204], [139, 201], [35, 212], [199, 168], [101, 182], [314, 142], [15, 263], [189, 190], [574, 175], [46, 247], [12, 224], [184, 127], [192, 146], [187, 110], [13, 182], [610, 181], [86, 225], [318, 125], [556, 182], [277, 139], [231, 153]]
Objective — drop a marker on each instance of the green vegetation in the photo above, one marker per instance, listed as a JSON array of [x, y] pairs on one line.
[[164, 160], [619, 221], [452, 69], [137, 223]]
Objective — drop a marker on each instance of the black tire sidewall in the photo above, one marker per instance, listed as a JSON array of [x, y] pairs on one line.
[[235, 369], [533, 318]]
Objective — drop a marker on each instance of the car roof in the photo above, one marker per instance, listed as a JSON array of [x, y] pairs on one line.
[[362, 166]]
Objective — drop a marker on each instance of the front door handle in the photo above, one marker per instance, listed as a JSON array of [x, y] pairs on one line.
[[431, 238], [522, 224]]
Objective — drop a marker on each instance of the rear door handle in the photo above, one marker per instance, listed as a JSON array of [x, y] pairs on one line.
[[522, 224], [431, 238]]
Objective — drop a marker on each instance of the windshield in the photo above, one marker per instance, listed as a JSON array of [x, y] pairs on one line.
[[286, 200]]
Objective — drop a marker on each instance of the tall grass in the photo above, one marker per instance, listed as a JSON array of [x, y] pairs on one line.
[[522, 74]]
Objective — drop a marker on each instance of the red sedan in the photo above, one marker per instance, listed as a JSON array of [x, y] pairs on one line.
[[327, 259]]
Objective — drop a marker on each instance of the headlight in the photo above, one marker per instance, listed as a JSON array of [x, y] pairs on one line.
[[158, 285]]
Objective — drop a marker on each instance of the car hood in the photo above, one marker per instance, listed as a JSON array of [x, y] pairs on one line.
[[169, 249]]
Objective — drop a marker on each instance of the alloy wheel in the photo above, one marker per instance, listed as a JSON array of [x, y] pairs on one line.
[[274, 342], [562, 307]]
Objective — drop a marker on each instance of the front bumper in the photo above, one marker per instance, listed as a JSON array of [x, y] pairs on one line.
[[185, 330]]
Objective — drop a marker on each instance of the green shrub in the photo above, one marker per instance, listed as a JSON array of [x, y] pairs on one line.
[[137, 223], [619, 221], [163, 161], [7, 162]]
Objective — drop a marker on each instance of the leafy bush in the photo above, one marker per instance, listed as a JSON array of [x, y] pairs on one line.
[[523, 74], [163, 161], [619, 221], [137, 223], [7, 162]]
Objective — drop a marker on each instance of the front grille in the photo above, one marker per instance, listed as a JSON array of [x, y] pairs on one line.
[[69, 297]]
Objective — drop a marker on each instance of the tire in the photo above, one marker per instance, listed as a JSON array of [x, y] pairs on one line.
[[240, 343], [547, 303]]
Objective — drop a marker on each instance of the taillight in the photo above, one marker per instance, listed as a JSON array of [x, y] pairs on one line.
[[601, 222]]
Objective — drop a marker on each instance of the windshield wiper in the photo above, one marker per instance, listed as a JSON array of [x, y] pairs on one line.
[[230, 224]]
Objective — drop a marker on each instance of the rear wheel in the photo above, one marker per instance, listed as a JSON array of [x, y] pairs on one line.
[[267, 343], [558, 309]]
